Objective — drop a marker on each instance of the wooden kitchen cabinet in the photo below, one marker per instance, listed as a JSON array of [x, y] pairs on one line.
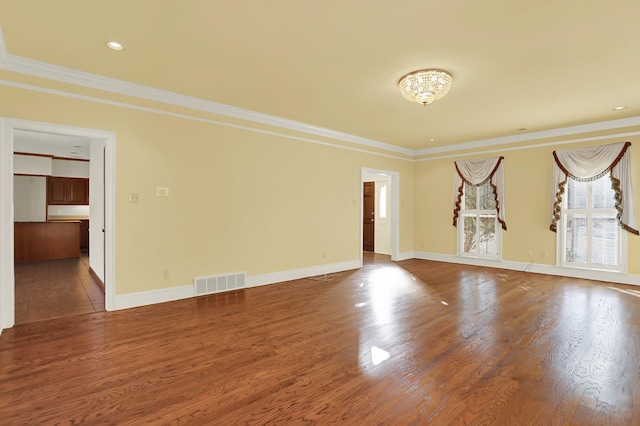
[[45, 240], [62, 190], [84, 235]]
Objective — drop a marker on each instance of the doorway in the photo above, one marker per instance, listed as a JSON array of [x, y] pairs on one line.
[[368, 216], [380, 212], [101, 214]]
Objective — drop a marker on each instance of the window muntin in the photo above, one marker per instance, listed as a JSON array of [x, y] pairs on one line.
[[479, 235], [590, 236]]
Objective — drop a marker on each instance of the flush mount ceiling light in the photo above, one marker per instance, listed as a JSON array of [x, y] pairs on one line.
[[425, 86], [114, 45], [619, 108]]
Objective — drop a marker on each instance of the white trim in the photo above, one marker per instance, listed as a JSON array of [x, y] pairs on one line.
[[7, 273], [41, 69], [8, 125], [294, 274], [151, 297], [188, 117], [405, 256], [68, 75], [544, 134], [621, 136], [612, 277], [145, 298]]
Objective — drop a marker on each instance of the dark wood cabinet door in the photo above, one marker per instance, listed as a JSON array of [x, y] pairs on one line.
[[62, 190], [77, 191], [57, 190]]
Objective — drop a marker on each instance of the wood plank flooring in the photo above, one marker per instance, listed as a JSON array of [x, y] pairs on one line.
[[56, 288], [408, 343]]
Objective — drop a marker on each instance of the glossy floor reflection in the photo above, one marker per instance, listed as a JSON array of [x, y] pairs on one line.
[[55, 289], [413, 342]]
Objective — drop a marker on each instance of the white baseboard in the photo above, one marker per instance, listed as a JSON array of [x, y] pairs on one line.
[[144, 298], [151, 297], [405, 256], [607, 276], [294, 274]]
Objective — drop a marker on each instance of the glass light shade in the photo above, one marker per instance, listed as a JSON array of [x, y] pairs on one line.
[[425, 86]]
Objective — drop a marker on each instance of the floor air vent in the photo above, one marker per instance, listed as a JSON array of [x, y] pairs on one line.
[[219, 283]]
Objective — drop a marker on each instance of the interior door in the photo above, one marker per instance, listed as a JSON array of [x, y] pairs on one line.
[[382, 229], [368, 215]]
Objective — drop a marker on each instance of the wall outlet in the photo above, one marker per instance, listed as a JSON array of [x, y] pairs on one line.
[[529, 255], [134, 197], [544, 254], [165, 274]]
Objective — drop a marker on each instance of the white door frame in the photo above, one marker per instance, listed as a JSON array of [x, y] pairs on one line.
[[394, 212], [7, 273]]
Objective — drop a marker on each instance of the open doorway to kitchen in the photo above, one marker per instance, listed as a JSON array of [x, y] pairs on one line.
[[60, 254]]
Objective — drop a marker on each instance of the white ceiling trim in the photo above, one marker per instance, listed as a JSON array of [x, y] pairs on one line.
[[506, 140], [67, 75], [35, 68], [620, 136], [190, 117]]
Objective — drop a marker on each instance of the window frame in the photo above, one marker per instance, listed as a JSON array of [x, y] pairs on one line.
[[589, 211], [478, 214]]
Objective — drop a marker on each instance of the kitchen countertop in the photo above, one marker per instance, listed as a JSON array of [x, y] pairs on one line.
[[66, 218]]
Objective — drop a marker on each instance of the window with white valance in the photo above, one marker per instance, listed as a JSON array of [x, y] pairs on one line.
[[590, 164], [592, 204], [479, 206]]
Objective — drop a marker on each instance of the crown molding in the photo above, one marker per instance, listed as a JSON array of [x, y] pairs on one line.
[[619, 136], [524, 137], [36, 68], [58, 73]]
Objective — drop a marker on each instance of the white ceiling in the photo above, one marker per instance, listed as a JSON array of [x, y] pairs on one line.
[[51, 144], [335, 64]]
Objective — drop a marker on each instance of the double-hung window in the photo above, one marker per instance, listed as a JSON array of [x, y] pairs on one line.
[[479, 207], [590, 236], [478, 228], [592, 206]]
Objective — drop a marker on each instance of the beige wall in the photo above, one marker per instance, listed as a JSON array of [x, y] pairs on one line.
[[528, 174], [260, 199], [240, 200]]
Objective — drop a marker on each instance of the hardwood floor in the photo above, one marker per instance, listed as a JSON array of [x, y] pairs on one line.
[[56, 288], [407, 343]]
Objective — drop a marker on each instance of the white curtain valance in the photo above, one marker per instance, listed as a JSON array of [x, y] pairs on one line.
[[588, 164], [476, 173]]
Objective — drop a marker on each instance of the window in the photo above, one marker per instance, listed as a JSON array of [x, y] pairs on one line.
[[479, 235], [382, 206], [590, 236]]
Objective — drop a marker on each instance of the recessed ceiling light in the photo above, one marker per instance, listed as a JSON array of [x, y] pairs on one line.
[[619, 108], [432, 140], [114, 45]]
